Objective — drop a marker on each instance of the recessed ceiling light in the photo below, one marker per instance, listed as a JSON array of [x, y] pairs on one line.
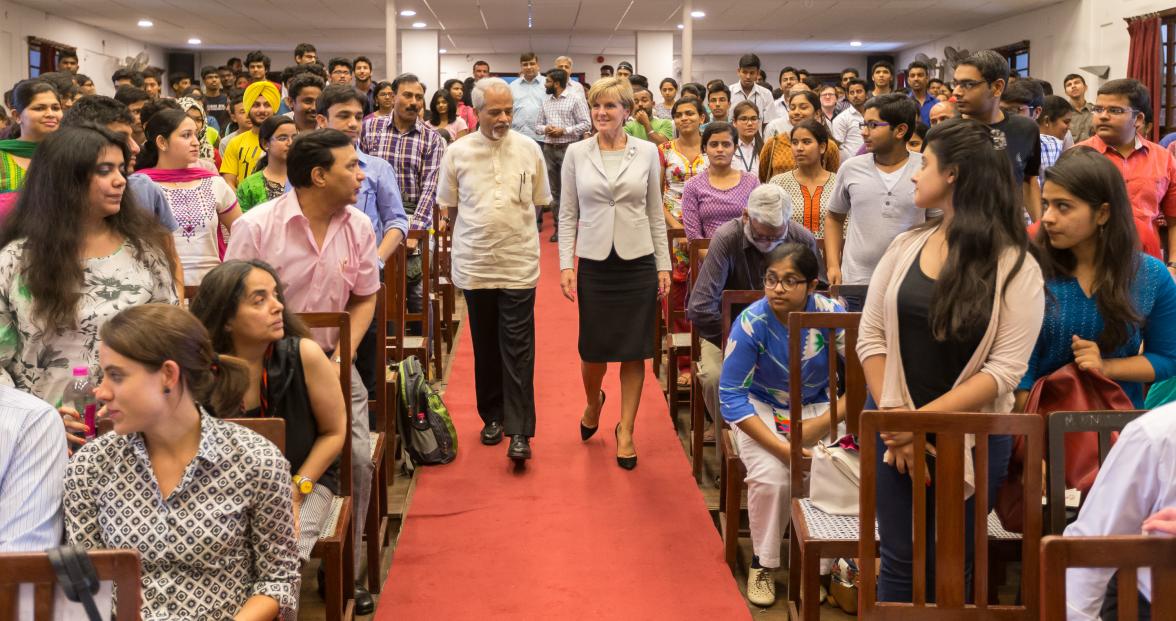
[[419, 24], [194, 41], [697, 14], [146, 23], [407, 13], [855, 44], [442, 51], [680, 26]]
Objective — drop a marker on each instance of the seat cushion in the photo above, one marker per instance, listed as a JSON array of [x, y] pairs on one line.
[[331, 524], [831, 527], [998, 532]]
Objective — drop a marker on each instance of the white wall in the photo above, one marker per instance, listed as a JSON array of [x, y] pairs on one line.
[[99, 51], [1062, 37]]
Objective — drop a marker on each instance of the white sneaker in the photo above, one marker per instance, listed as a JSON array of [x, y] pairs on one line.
[[761, 586]]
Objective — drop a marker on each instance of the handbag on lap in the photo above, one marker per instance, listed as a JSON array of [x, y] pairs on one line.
[[1069, 389]]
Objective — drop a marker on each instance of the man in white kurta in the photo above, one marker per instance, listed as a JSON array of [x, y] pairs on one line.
[[491, 181]]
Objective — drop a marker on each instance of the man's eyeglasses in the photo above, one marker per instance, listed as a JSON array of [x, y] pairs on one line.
[[1111, 110], [340, 72], [872, 125], [748, 119], [788, 284], [967, 85]]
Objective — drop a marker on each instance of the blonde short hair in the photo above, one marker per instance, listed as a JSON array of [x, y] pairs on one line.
[[612, 87]]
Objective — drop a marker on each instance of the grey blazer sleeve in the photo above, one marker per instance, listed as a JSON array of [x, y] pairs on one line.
[[569, 208], [657, 220]]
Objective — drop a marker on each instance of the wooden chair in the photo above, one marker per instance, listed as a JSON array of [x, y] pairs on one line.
[[731, 470], [816, 534], [1103, 423], [445, 289], [376, 525], [436, 328], [675, 344], [394, 315], [951, 429], [698, 250], [120, 566], [336, 545], [1127, 554], [422, 346]]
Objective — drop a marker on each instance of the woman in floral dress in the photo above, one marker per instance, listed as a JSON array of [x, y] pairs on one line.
[[74, 253], [681, 159]]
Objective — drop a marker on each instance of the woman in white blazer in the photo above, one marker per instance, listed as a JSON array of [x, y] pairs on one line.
[[611, 218]]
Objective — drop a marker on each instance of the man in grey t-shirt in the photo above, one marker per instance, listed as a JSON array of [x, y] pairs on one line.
[[877, 188]]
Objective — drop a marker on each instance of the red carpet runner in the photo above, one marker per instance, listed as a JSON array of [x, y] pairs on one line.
[[573, 536]]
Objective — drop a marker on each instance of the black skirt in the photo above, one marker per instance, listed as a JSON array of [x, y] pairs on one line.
[[618, 302]]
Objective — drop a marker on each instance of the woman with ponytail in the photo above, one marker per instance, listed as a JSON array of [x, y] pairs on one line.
[[952, 314], [205, 502], [38, 114], [200, 199], [242, 305]]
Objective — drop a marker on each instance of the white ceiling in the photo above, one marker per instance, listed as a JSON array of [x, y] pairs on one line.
[[568, 26]]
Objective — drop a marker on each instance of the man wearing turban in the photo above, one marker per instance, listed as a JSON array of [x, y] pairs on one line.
[[241, 155]]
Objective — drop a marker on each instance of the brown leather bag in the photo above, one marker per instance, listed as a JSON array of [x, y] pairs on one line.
[[1069, 389]]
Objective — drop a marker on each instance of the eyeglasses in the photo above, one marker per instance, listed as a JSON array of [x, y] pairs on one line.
[[283, 138], [967, 85], [788, 284], [340, 72], [748, 119], [1111, 110], [872, 125]]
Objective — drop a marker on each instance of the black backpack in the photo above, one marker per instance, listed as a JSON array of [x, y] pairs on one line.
[[427, 434]]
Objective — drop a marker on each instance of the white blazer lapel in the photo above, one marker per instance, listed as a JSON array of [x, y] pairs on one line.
[[597, 161], [630, 155]]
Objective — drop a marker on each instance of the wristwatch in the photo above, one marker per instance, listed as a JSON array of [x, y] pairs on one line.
[[305, 485]]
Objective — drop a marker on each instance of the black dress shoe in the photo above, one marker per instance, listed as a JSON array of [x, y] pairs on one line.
[[363, 601], [520, 448], [491, 433], [628, 463], [586, 431]]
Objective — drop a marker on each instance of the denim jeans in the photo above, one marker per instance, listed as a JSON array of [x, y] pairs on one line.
[[895, 521]]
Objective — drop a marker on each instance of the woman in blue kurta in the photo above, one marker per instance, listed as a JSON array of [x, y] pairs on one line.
[[1105, 296], [753, 393]]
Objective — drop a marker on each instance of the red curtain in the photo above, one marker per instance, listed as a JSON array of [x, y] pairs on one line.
[[1143, 61], [48, 58]]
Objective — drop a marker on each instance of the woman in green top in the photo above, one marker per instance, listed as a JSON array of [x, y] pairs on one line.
[[269, 182], [38, 114]]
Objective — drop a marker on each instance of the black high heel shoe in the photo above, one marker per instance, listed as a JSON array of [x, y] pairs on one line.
[[586, 431], [628, 463]]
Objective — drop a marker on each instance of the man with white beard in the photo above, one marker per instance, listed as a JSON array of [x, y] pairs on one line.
[[490, 183]]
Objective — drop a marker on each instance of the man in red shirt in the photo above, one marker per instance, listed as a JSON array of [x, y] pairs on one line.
[[1148, 168]]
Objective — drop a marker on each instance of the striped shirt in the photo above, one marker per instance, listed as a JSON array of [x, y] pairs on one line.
[[32, 472], [415, 155], [1051, 149], [566, 111]]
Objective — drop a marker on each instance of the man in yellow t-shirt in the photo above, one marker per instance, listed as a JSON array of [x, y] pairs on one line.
[[244, 150]]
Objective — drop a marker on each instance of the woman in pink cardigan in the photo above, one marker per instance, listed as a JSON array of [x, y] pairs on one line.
[[951, 318]]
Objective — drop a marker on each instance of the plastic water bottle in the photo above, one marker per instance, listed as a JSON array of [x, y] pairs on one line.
[[79, 394]]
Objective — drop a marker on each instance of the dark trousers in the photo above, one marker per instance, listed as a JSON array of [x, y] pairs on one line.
[[1110, 605], [895, 520], [502, 324]]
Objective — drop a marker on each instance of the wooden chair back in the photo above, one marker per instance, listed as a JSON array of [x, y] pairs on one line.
[[698, 250], [733, 303], [272, 429], [1127, 554], [342, 322], [848, 378], [394, 296], [1103, 423], [422, 238], [674, 237], [120, 566], [190, 292], [950, 429], [380, 402]]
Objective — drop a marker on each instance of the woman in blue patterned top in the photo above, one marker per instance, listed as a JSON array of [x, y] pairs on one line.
[[754, 399], [1105, 296]]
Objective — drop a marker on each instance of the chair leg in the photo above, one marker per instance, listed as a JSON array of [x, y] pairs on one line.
[[372, 539], [696, 427], [810, 580], [333, 574], [795, 569], [733, 509]]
